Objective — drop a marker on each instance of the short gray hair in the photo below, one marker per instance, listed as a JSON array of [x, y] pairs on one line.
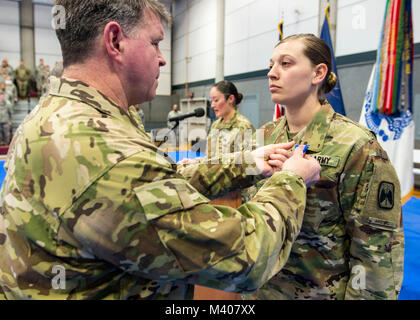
[[86, 19]]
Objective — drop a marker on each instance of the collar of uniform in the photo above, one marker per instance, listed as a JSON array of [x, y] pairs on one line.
[[231, 122], [80, 91], [314, 133]]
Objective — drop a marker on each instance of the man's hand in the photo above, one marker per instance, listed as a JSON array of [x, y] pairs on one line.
[[263, 155], [305, 166]]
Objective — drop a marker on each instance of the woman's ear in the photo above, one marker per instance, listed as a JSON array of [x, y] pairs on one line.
[[113, 37], [231, 99], [320, 73]]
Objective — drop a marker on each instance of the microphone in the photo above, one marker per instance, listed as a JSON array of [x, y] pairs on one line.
[[199, 112]]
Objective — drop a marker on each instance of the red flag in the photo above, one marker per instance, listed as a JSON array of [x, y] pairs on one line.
[[279, 111]]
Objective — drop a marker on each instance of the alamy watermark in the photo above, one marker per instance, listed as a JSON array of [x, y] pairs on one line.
[[358, 281], [58, 282], [59, 17], [359, 17]]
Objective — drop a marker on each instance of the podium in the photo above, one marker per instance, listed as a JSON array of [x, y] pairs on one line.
[[233, 200]]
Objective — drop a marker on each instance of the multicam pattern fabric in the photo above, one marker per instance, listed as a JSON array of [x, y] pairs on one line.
[[351, 245], [232, 136], [89, 198]]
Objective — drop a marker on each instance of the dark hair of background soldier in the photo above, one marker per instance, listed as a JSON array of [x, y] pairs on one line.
[[317, 51], [86, 19], [227, 88]]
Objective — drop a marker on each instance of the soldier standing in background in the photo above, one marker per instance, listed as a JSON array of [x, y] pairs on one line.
[[101, 203], [173, 113], [23, 76], [40, 76], [10, 71], [171, 124], [43, 80], [3, 75], [57, 71], [11, 90], [5, 119]]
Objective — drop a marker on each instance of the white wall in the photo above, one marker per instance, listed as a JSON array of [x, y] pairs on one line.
[[360, 23], [9, 32], [165, 78], [47, 46], [251, 32], [201, 40]]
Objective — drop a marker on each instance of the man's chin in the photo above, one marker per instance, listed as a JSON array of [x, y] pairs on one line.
[[143, 99]]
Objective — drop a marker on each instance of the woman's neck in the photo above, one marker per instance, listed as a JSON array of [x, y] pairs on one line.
[[300, 115], [229, 116]]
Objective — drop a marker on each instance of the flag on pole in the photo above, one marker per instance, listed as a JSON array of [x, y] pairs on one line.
[[279, 110], [388, 106], [335, 98]]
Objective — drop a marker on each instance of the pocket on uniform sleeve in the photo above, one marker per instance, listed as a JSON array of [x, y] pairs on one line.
[[167, 196]]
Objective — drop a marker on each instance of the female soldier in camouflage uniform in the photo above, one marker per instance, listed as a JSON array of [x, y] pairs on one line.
[[230, 133], [351, 245]]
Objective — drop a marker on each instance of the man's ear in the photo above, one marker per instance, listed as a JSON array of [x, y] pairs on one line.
[[113, 36], [320, 73]]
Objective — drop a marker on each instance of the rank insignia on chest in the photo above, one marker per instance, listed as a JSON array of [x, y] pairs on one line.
[[327, 160], [386, 195]]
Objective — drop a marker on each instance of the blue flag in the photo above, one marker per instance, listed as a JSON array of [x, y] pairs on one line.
[[334, 98]]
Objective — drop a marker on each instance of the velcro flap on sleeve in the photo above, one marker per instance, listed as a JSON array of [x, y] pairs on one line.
[[167, 196]]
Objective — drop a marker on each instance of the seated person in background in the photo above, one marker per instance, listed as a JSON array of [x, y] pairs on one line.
[[351, 245]]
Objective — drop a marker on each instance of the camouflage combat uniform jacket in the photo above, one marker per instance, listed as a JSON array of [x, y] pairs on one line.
[[351, 245], [92, 210], [232, 136]]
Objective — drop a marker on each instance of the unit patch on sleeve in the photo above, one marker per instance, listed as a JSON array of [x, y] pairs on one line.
[[386, 195]]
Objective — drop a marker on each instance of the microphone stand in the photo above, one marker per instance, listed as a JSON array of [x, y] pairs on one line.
[[167, 136]]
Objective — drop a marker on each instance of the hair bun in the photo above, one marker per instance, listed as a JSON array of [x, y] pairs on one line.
[[239, 99], [331, 82]]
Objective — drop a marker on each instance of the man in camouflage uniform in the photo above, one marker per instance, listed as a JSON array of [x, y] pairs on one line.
[[171, 124], [89, 199], [5, 119], [10, 91], [351, 245], [9, 69], [23, 76], [43, 78], [3, 75], [40, 76]]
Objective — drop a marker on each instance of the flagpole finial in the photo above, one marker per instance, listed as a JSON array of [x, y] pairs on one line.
[[280, 27], [327, 12]]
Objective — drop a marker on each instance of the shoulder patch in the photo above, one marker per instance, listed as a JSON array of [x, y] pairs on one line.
[[386, 194]]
